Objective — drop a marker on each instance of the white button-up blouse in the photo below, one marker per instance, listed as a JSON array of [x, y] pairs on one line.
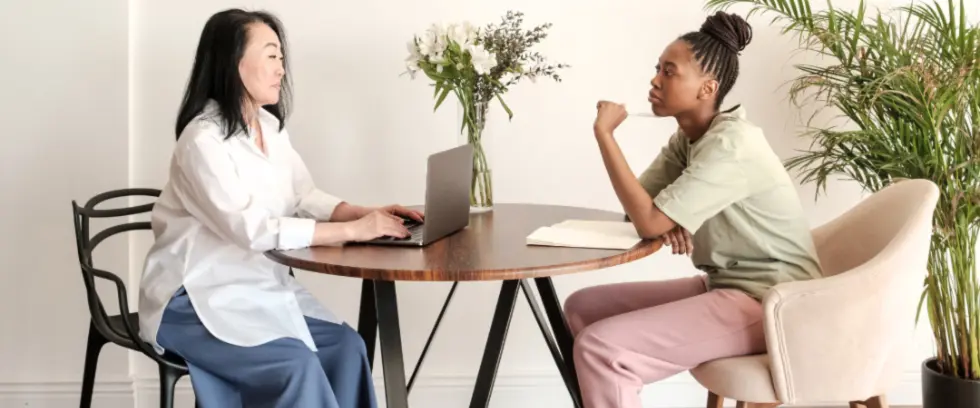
[[226, 203]]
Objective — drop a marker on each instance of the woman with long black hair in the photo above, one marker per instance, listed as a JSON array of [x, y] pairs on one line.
[[247, 329]]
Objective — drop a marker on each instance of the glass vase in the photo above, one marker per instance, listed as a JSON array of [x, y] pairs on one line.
[[472, 126]]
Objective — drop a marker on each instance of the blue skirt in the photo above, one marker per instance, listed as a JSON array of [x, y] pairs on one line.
[[279, 374]]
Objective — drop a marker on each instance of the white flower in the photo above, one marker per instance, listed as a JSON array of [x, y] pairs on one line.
[[413, 51], [434, 41], [427, 46], [411, 68], [436, 58], [463, 34], [454, 34], [412, 61], [483, 60]]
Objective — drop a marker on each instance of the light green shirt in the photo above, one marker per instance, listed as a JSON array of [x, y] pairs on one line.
[[731, 191]]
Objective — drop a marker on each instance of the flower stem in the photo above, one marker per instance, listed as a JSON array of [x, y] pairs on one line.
[[481, 186]]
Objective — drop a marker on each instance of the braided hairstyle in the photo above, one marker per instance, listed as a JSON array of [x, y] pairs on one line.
[[716, 48]]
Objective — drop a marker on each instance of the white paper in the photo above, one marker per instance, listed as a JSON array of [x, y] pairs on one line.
[[586, 234]]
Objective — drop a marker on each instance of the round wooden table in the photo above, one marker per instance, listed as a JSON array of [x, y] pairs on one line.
[[492, 247]]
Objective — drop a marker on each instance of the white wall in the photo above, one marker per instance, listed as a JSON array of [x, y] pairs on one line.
[[64, 114], [365, 132]]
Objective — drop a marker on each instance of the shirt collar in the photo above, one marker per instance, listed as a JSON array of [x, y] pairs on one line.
[[735, 112], [266, 118]]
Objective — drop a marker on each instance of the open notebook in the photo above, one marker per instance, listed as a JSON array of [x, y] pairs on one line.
[[586, 234]]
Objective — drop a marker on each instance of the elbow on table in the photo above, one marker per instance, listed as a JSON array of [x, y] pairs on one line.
[[648, 230], [653, 226], [648, 235]]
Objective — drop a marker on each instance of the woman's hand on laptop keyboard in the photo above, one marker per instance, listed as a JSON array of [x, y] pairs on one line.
[[400, 211], [377, 224]]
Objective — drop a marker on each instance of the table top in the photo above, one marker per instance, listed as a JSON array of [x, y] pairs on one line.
[[492, 247]]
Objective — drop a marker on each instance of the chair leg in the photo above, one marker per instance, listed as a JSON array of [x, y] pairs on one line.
[[715, 400], [873, 402], [743, 404], [92, 349], [168, 382]]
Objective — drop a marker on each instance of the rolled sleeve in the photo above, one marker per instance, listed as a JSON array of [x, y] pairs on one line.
[[713, 180], [665, 168]]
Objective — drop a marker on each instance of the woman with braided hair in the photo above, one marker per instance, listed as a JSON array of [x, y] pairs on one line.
[[718, 179]]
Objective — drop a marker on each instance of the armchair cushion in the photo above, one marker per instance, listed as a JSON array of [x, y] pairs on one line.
[[744, 378]]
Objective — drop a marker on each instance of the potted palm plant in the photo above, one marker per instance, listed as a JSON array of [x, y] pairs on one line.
[[907, 84]]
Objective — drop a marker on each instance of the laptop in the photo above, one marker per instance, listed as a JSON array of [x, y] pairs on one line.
[[447, 199]]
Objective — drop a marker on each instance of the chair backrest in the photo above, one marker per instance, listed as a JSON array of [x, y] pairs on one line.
[[880, 248], [883, 219], [86, 242]]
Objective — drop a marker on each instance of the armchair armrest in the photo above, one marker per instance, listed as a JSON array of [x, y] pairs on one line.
[[832, 338]]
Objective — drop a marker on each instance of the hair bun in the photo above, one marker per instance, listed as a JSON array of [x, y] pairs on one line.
[[731, 30]]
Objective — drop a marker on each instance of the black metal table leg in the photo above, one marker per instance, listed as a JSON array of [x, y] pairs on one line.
[[563, 335], [367, 321], [432, 335], [379, 312], [562, 362], [495, 344], [396, 393]]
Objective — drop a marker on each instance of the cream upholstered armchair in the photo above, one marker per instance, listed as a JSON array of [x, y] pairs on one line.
[[840, 338]]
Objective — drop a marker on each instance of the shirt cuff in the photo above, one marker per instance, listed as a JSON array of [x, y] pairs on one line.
[[296, 232], [674, 209]]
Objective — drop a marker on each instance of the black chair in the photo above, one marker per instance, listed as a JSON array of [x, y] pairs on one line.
[[121, 329]]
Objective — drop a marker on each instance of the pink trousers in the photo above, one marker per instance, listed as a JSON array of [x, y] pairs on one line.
[[631, 334]]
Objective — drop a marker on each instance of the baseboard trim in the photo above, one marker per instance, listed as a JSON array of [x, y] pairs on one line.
[[443, 391], [116, 393], [119, 386]]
